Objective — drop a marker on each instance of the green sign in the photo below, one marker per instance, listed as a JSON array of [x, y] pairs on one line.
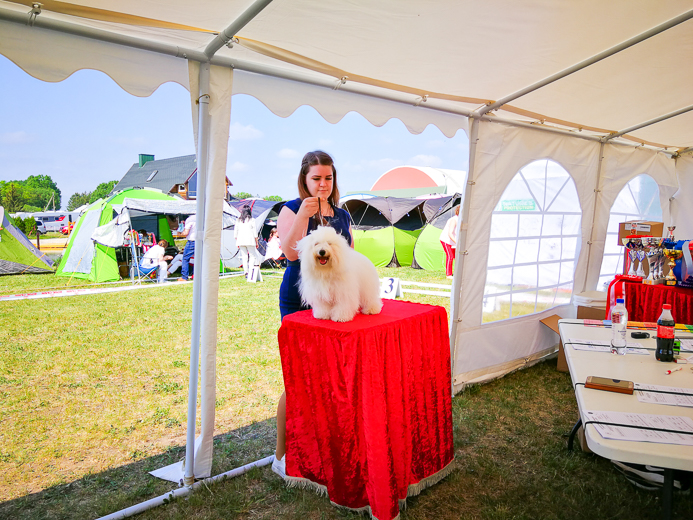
[[518, 205]]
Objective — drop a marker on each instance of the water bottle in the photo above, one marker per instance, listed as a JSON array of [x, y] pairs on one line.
[[619, 321], [665, 335]]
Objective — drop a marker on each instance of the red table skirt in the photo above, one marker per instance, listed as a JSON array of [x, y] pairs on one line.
[[368, 404], [644, 302]]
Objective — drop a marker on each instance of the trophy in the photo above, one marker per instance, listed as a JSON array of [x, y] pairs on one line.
[[673, 255], [652, 247], [671, 232], [633, 245]]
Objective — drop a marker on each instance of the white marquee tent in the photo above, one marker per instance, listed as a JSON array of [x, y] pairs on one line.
[[601, 88]]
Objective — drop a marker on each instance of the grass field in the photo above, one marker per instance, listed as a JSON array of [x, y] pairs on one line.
[[93, 395]]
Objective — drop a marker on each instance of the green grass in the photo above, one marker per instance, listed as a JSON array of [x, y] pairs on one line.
[[93, 395]]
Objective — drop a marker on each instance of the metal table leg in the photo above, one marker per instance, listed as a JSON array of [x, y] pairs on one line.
[[573, 433], [668, 494]]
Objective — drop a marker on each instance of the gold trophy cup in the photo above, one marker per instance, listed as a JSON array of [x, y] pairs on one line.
[[673, 255]]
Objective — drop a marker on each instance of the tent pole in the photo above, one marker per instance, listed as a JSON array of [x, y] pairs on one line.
[[590, 61], [461, 248], [228, 34], [650, 122], [597, 197], [202, 153]]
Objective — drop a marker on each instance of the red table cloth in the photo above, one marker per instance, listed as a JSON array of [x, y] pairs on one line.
[[368, 404], [644, 302]]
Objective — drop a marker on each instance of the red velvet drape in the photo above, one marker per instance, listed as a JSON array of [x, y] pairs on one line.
[[368, 403], [644, 302]]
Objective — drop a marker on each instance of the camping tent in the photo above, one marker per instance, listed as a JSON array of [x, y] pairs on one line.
[[385, 229], [86, 260], [428, 252], [589, 85], [17, 254]]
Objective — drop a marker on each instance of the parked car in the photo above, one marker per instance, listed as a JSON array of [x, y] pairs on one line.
[[67, 228], [40, 227]]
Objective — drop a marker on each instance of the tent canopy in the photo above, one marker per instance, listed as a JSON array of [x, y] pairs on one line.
[[17, 254]]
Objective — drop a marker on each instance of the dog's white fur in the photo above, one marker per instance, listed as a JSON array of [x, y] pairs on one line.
[[336, 281]]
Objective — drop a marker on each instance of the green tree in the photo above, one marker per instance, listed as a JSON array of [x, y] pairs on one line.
[[274, 198], [243, 195], [13, 197], [102, 190], [78, 199], [43, 186]]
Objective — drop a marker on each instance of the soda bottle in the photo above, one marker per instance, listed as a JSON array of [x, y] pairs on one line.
[[665, 335], [619, 321]]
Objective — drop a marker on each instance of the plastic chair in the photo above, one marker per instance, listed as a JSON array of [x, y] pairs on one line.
[[137, 272]]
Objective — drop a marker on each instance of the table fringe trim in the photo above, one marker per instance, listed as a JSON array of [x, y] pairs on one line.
[[412, 489]]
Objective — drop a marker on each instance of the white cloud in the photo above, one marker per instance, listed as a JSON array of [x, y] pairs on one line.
[[237, 167], [425, 160], [238, 131], [288, 153], [20, 137]]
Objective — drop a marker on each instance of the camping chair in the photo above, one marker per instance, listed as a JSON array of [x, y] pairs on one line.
[[137, 272]]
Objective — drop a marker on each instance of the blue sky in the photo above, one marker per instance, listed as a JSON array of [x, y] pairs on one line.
[[87, 130]]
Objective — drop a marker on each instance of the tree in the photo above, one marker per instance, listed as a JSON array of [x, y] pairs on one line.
[[78, 199], [42, 187], [102, 190], [243, 195], [274, 198], [13, 197]]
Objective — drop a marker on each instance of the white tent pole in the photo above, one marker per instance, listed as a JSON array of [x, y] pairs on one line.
[[227, 34], [590, 61], [461, 248], [597, 197], [202, 149], [650, 122]]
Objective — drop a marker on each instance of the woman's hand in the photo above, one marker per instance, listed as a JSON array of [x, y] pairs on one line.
[[309, 207]]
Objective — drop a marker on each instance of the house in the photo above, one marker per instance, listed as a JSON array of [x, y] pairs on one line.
[[175, 176]]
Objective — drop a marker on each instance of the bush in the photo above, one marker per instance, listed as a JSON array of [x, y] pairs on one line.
[[26, 225]]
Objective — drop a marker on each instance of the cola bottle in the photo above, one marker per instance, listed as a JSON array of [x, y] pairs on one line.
[[665, 335]]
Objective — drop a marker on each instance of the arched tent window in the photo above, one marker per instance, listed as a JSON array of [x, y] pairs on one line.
[[638, 200], [534, 243]]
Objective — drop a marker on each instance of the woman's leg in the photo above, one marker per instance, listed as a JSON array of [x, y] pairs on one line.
[[449, 256], [281, 427], [244, 258]]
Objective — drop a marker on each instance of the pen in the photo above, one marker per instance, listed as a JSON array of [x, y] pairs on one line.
[[670, 371]]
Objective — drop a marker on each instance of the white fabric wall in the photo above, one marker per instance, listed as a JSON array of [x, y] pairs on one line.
[[682, 205], [619, 166], [486, 351]]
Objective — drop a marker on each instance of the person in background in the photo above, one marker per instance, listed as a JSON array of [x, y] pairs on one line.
[[274, 246], [317, 205], [189, 250], [245, 234], [449, 239], [156, 258]]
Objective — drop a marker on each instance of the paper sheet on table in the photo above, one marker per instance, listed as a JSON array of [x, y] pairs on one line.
[[660, 398], [687, 345], [623, 433], [596, 345]]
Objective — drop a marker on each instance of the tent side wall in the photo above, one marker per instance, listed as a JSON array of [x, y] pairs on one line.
[[405, 241], [378, 245], [428, 252]]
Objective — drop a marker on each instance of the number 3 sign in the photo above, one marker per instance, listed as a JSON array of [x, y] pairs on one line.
[[390, 288]]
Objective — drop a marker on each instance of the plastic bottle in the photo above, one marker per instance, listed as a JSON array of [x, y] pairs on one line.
[[665, 335], [619, 321]]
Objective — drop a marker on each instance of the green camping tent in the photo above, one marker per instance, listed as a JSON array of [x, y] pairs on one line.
[[17, 254], [385, 229], [428, 252], [89, 261]]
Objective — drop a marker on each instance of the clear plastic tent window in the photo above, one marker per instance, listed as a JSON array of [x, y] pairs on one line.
[[638, 200], [534, 243]]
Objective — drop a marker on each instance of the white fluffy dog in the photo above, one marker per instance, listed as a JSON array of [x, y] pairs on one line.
[[336, 281]]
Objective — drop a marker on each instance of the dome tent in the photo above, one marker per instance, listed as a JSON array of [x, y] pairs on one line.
[[17, 254], [385, 229]]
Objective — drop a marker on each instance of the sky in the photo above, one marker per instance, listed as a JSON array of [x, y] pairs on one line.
[[86, 130]]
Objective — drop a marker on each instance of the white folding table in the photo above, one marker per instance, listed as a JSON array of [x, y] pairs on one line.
[[631, 367]]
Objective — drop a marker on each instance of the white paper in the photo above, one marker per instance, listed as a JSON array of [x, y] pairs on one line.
[[687, 345], [620, 433], [596, 345], [659, 398]]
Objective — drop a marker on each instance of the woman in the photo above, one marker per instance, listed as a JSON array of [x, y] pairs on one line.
[[448, 239], [245, 234], [274, 246], [316, 205], [155, 258]]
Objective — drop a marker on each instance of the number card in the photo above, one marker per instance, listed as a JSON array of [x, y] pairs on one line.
[[390, 288], [255, 275]]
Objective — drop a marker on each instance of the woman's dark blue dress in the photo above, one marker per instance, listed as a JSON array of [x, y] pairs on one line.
[[289, 297]]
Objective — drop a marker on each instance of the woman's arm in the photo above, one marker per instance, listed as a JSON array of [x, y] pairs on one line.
[[292, 226], [452, 228]]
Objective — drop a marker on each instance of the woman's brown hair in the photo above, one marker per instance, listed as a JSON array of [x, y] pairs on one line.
[[316, 158]]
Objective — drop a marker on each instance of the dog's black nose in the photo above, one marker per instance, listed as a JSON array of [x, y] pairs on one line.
[[321, 252]]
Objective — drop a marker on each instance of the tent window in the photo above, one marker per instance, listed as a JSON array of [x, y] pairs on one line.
[[534, 243], [638, 200], [152, 175]]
